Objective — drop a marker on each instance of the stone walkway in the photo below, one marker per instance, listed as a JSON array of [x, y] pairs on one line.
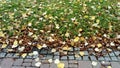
[[30, 63]]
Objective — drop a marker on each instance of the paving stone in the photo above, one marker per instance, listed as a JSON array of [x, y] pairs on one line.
[[53, 65], [114, 58], [98, 65], [28, 60], [30, 57], [72, 61], [57, 53], [73, 66], [71, 57], [66, 63], [31, 67], [101, 58], [56, 57], [44, 61], [18, 62], [9, 55], [44, 66], [85, 58], [7, 63], [78, 58], [111, 54], [93, 58], [33, 63], [64, 58], [86, 53], [26, 64], [117, 53], [2, 54], [115, 65], [18, 67], [16, 56], [107, 58], [84, 64]]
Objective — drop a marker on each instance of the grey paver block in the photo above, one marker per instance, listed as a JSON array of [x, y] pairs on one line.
[[101, 58], [78, 58], [56, 57], [7, 63], [71, 57], [84, 64], [9, 55], [93, 58], [28, 60], [114, 58], [49, 57], [85, 58], [72, 61], [115, 65], [66, 63], [64, 58], [57, 53], [33, 63], [73, 66], [31, 67], [98, 65], [86, 52], [18, 67], [18, 62], [111, 54], [107, 58], [26, 64], [117, 53], [2, 54], [45, 66], [53, 65]]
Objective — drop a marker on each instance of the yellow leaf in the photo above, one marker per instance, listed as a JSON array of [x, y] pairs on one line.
[[80, 30], [1, 34], [66, 48], [82, 38], [72, 43], [39, 46], [60, 65], [4, 46], [24, 55], [109, 67], [15, 44], [81, 53], [76, 39], [99, 45], [94, 37]]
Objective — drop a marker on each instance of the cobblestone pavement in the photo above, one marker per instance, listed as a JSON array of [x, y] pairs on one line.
[[30, 63], [12, 60]]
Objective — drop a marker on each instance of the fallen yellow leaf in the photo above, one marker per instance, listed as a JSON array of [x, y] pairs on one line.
[[15, 44], [4, 46], [81, 53], [60, 65], [76, 39], [82, 38], [39, 46], [99, 45], [1, 34], [24, 55]]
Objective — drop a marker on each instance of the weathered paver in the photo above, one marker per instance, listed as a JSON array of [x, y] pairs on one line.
[[84, 64], [45, 66], [6, 63], [26, 64], [115, 65], [53, 65], [18, 67], [18, 62]]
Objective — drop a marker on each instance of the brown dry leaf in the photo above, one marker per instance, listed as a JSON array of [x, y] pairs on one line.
[[60, 65], [99, 45], [24, 55], [4, 46], [82, 53], [76, 39], [39, 46]]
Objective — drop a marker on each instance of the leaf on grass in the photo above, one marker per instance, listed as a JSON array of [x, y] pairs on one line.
[[76, 39], [4, 46], [2, 34], [15, 44]]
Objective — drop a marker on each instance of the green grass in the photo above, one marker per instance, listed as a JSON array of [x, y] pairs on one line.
[[60, 17]]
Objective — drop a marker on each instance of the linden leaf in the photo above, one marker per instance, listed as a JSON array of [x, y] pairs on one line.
[[81, 53], [15, 44], [60, 65], [4, 46], [76, 39], [39, 46], [24, 55], [2, 34]]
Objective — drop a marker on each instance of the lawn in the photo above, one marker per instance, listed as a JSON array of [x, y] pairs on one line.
[[59, 25]]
